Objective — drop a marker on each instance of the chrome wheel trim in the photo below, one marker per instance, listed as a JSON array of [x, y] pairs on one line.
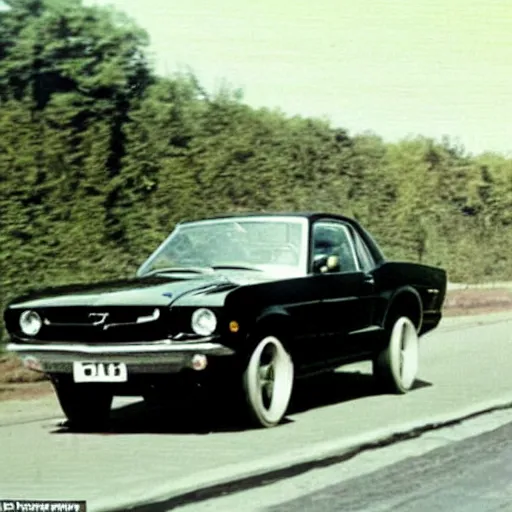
[[404, 352], [269, 380]]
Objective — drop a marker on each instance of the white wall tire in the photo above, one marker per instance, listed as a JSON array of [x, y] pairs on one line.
[[268, 381], [396, 367]]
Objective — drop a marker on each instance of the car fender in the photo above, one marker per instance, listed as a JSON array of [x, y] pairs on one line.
[[404, 295], [274, 317]]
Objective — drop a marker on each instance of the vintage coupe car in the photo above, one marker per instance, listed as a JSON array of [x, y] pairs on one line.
[[255, 301]]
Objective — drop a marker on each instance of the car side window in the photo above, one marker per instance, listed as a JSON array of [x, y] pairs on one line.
[[334, 239], [365, 257]]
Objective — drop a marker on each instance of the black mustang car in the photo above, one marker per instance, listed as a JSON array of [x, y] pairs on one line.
[[253, 300]]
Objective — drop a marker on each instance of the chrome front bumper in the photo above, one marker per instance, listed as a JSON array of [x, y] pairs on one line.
[[149, 357]]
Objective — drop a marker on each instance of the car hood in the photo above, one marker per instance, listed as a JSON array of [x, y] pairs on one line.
[[145, 291]]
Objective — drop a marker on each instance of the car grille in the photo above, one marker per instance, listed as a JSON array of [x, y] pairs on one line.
[[104, 324]]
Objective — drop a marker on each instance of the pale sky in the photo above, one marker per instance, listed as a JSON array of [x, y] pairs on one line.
[[394, 67]]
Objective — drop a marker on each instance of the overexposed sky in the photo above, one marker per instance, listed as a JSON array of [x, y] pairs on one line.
[[394, 67]]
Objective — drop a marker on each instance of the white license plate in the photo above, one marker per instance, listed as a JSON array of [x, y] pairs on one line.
[[100, 372]]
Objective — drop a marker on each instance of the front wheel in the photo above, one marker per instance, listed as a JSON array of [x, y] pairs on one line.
[[86, 406], [268, 381], [396, 366]]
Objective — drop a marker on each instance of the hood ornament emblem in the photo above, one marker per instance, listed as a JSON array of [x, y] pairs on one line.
[[101, 318]]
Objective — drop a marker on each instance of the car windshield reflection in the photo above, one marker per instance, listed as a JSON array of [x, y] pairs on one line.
[[272, 245]]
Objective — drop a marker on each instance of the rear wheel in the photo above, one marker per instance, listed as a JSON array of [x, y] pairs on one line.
[[86, 406], [396, 366], [268, 381]]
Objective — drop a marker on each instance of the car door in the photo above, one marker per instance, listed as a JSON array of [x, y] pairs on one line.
[[346, 309]]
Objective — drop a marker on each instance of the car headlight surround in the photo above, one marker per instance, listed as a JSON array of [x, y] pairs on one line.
[[30, 322], [204, 321]]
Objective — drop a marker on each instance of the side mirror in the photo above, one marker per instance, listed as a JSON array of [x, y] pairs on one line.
[[325, 263]]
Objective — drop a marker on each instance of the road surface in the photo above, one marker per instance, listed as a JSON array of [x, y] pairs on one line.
[[150, 456], [461, 475]]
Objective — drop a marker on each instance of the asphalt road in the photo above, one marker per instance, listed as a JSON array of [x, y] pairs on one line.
[[469, 476], [466, 475], [150, 455]]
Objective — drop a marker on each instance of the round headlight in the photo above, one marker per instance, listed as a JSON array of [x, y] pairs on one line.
[[30, 323], [204, 321]]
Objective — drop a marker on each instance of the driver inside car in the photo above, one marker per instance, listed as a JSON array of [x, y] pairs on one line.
[[332, 241]]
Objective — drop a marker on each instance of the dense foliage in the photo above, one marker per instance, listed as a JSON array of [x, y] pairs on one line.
[[99, 158]]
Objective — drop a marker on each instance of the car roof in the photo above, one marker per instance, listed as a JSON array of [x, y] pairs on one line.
[[312, 215]]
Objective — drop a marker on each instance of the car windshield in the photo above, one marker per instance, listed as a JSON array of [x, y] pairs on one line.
[[271, 244]]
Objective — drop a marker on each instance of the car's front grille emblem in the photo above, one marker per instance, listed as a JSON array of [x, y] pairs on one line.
[[101, 318]]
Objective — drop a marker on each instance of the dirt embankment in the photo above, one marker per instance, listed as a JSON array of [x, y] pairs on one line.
[[18, 383], [476, 301]]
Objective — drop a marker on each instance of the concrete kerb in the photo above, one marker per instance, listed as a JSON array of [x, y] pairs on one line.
[[213, 483]]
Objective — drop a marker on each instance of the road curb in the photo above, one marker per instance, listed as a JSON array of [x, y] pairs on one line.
[[236, 477]]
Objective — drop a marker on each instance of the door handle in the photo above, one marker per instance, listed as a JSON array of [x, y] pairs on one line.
[[368, 279]]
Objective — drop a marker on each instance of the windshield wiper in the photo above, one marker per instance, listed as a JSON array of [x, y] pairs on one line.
[[235, 267], [166, 270]]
